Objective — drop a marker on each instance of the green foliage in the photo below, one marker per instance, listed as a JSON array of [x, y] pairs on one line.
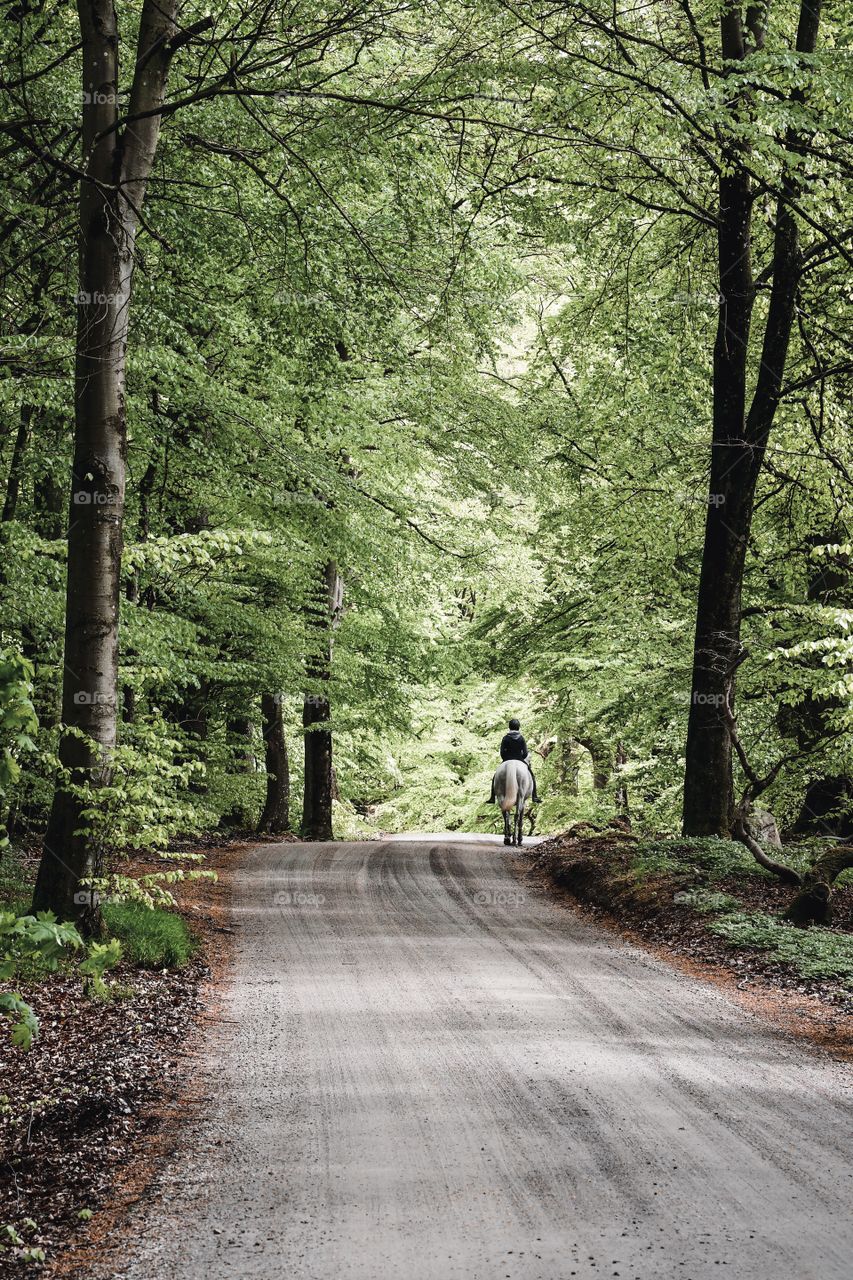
[[470, 362], [815, 953], [140, 806], [24, 939], [439, 769], [705, 859], [101, 956], [149, 937], [707, 902], [13, 1240], [18, 721], [40, 943], [24, 1021]]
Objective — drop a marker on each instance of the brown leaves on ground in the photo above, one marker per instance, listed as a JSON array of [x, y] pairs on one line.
[[73, 1099], [98, 1079]]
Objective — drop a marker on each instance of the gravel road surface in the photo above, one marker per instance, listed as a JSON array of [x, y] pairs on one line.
[[429, 1071]]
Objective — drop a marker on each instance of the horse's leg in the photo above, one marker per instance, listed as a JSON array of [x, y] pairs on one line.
[[519, 819], [507, 839]]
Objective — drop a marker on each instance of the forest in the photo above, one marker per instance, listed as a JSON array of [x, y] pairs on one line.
[[373, 372]]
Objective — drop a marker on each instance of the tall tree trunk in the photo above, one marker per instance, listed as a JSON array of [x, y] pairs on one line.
[[316, 712], [602, 764], [16, 466], [117, 163], [275, 817], [739, 441], [239, 729], [622, 808], [568, 767]]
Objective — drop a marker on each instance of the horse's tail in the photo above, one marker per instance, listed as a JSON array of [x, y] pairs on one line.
[[510, 796]]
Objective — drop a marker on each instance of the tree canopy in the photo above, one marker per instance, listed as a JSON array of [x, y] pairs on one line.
[[374, 372]]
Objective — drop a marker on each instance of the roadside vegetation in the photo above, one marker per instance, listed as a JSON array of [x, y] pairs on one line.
[[96, 1047], [365, 382], [708, 899]]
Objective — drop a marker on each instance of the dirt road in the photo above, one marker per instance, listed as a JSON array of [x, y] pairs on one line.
[[431, 1072]]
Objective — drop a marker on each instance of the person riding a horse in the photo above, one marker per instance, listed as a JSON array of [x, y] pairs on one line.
[[513, 747]]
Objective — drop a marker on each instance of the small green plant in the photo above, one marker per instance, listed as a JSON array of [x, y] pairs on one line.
[[150, 937], [706, 901], [12, 1240], [41, 938], [814, 953], [144, 803], [102, 956]]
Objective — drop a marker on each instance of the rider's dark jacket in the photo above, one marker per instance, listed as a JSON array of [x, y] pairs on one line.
[[513, 746]]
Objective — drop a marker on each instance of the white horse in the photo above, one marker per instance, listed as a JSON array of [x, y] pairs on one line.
[[513, 788]]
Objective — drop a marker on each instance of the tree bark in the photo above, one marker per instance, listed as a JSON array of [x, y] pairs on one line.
[[621, 786], [602, 765], [275, 817], [240, 735], [117, 164], [813, 903], [16, 465], [568, 767], [316, 711]]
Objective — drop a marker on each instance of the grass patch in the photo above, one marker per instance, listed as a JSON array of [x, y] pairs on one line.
[[814, 953], [707, 858], [150, 938], [706, 901]]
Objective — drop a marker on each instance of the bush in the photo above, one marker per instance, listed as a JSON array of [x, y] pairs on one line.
[[150, 937]]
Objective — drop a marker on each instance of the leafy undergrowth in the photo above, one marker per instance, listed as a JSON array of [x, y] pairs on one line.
[[814, 953], [708, 900], [72, 1106]]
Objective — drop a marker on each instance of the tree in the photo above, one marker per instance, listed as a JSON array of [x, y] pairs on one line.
[[275, 817], [118, 158], [325, 610], [741, 423], [119, 152]]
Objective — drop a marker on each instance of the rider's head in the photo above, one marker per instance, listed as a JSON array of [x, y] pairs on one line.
[[514, 724]]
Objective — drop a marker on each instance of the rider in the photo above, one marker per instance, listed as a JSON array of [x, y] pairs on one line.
[[513, 747]]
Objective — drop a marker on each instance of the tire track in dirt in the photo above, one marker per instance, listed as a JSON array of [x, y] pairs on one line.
[[432, 1071]]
